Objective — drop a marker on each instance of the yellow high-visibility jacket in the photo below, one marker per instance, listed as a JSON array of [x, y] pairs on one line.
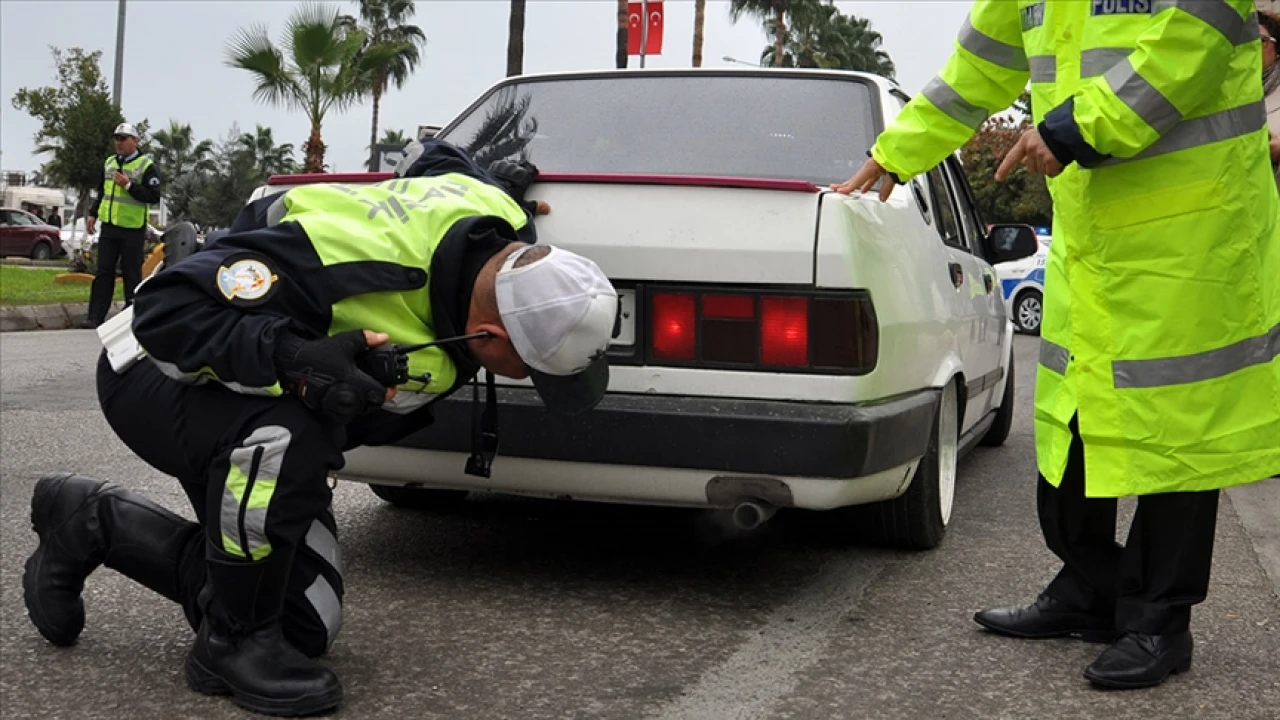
[[1161, 327]]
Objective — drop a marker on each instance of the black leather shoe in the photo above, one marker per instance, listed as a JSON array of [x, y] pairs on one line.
[[1047, 618], [1140, 661], [84, 523]]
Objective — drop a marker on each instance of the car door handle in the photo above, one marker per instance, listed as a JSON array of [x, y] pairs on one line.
[[957, 273], [989, 282]]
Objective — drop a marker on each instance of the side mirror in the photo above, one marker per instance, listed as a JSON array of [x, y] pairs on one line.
[[1006, 243]]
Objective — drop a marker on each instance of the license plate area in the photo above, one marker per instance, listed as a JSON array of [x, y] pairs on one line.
[[624, 328]]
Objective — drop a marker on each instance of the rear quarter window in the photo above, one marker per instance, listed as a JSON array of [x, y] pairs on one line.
[[785, 128]]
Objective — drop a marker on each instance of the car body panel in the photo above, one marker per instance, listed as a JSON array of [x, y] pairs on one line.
[[937, 306]]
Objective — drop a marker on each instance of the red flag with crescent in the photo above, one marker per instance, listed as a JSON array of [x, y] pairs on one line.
[[635, 27]]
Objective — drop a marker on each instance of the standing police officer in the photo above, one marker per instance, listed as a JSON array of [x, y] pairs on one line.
[[130, 183], [262, 371], [1159, 372]]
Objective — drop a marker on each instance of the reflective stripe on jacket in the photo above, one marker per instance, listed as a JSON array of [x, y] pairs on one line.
[[1162, 290], [117, 206]]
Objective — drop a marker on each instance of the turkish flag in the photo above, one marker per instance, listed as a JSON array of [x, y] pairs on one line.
[[635, 27]]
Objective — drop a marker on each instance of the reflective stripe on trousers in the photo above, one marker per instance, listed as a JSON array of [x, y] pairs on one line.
[[322, 596], [246, 494]]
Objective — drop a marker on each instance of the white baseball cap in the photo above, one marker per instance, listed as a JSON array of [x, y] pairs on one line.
[[560, 311], [126, 129]]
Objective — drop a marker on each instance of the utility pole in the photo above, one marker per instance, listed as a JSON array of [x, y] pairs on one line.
[[644, 28], [115, 91]]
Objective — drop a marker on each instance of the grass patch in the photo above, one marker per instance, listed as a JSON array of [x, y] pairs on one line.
[[35, 286]]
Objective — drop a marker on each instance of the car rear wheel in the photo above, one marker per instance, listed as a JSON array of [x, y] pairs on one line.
[[918, 519], [413, 498], [999, 430], [42, 251], [1028, 310]]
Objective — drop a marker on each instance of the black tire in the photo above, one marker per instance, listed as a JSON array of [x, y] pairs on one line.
[[914, 521], [999, 430], [412, 498], [1029, 305], [42, 251]]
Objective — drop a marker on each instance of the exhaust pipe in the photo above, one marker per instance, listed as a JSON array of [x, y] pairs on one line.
[[750, 514]]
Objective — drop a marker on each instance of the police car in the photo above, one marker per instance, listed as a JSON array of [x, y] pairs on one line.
[[1022, 284], [779, 346]]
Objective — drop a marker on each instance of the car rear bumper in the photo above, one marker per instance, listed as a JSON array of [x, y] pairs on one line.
[[696, 433]]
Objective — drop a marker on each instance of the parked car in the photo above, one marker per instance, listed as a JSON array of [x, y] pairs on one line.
[[1022, 283], [779, 345], [26, 235]]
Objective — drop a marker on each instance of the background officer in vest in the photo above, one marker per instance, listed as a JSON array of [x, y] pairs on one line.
[[1159, 374], [260, 376], [130, 183]]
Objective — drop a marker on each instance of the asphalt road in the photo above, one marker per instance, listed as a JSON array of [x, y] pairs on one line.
[[530, 609]]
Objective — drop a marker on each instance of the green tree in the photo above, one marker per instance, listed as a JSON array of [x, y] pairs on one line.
[[268, 157], [820, 36], [76, 118], [385, 24], [773, 15], [1023, 197], [322, 65], [182, 161], [389, 137], [221, 194]]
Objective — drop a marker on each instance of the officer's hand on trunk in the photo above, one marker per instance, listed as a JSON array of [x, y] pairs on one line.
[[325, 375]]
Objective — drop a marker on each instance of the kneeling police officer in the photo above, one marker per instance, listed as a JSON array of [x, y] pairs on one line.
[[266, 357]]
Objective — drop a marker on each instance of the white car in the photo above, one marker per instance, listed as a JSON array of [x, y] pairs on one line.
[[779, 345], [74, 237], [1022, 283]]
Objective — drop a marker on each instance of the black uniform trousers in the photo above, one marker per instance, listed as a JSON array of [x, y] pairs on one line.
[[1151, 582], [198, 434], [116, 246]]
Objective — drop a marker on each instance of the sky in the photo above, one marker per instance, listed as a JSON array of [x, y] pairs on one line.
[[175, 68]]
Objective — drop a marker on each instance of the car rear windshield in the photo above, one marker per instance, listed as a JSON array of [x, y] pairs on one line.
[[784, 128]]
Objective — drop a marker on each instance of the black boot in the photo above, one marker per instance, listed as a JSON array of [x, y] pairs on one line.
[[241, 650], [84, 523]]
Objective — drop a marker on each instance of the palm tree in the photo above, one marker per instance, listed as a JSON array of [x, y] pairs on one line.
[[176, 152], [820, 36], [767, 11], [386, 25], [389, 137], [515, 39], [699, 20], [268, 157], [624, 22], [322, 65], [184, 162]]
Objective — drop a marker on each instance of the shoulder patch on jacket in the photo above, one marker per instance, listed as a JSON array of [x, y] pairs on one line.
[[247, 280]]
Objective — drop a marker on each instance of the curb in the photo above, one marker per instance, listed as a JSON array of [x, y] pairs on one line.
[[54, 316]]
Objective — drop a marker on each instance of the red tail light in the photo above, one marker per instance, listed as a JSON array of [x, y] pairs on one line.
[[825, 332], [674, 327], [784, 331]]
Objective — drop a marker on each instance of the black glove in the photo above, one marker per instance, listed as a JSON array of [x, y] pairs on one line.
[[515, 176], [325, 375]]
